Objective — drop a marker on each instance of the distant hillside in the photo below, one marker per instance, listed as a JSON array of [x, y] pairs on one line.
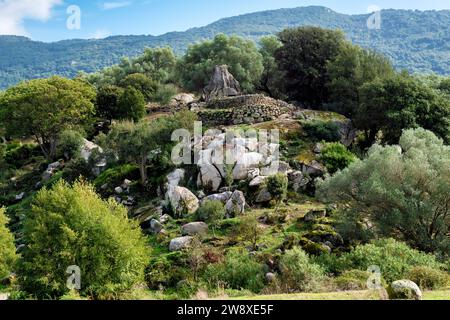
[[416, 40]]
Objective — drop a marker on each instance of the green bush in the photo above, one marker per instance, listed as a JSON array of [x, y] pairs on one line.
[[21, 155], [115, 176], [352, 280], [277, 186], [7, 248], [166, 270], [335, 157], [322, 130], [395, 259], [238, 271], [73, 226], [298, 273], [69, 143], [164, 94], [211, 211], [429, 278], [75, 169]]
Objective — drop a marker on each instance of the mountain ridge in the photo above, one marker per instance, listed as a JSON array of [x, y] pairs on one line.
[[415, 40]]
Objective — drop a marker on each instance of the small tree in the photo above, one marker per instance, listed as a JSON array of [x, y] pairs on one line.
[[250, 230], [131, 105], [69, 144], [8, 255], [73, 226], [277, 186]]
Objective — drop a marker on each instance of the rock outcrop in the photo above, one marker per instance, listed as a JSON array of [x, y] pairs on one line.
[[221, 85], [182, 200]]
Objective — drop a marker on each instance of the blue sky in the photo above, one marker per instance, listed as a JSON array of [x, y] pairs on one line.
[[45, 20]]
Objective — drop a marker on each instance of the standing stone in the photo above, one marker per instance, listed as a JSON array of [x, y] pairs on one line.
[[221, 85]]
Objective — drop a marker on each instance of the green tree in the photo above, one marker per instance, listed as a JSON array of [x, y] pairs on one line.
[[403, 192], [132, 143], [242, 57], [271, 76], [73, 226], [250, 230], [352, 68], [70, 143], [44, 108], [401, 102], [304, 58], [131, 105], [142, 83], [8, 255], [158, 64], [108, 102]]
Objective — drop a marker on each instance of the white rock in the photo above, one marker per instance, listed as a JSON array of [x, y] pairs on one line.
[[210, 177], [236, 204], [182, 200], [258, 181], [87, 149], [174, 178], [194, 228], [222, 197], [181, 243]]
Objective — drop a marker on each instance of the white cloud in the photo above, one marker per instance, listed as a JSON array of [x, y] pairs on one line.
[[114, 5], [100, 34], [14, 12]]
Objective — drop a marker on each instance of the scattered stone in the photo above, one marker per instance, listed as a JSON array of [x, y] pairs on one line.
[[194, 228], [313, 215], [270, 277], [236, 204], [181, 243], [297, 180], [257, 181], [104, 187], [182, 200], [118, 190], [126, 184], [20, 196], [404, 290], [164, 218], [222, 197], [263, 196], [175, 177]]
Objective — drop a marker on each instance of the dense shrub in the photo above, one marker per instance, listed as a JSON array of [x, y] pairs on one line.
[[322, 130], [7, 248], [211, 212], [402, 191], [22, 154], [335, 157], [429, 278], [394, 258], [277, 186], [352, 280], [115, 176], [70, 226], [165, 93], [298, 273], [69, 143], [166, 270], [75, 169], [238, 271]]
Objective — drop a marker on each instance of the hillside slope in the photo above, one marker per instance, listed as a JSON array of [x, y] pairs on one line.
[[415, 40]]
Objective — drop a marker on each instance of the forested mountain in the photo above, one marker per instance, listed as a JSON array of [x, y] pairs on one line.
[[415, 40]]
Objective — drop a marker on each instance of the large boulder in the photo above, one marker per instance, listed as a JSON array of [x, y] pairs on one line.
[[209, 177], [404, 290], [174, 178], [181, 243], [182, 200], [221, 85], [236, 204], [222, 197], [263, 196], [194, 228], [297, 180]]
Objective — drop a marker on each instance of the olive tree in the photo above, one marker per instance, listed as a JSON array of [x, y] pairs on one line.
[[43, 108], [400, 191]]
